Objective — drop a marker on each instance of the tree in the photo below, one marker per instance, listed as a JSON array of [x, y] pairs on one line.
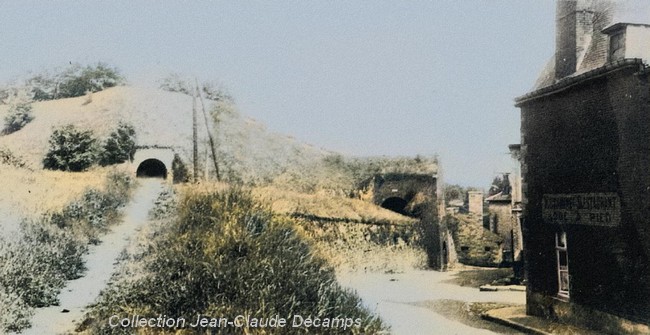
[[78, 80], [179, 170], [500, 184], [19, 115], [71, 149], [119, 146], [211, 90], [454, 192]]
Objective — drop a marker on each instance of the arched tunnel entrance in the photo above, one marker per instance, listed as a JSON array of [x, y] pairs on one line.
[[152, 168], [395, 204]]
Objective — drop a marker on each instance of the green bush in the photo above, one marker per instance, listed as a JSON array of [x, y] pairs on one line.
[[179, 170], [18, 116], [226, 255], [74, 81], [119, 146], [71, 149]]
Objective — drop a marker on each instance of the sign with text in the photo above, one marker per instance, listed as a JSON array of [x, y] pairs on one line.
[[593, 209]]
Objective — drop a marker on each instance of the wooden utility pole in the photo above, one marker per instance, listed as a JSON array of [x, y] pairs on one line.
[[207, 128], [195, 144]]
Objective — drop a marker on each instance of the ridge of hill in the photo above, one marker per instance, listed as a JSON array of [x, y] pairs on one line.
[[161, 118]]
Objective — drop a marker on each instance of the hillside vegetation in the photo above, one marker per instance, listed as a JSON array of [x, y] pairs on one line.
[[268, 240], [222, 253]]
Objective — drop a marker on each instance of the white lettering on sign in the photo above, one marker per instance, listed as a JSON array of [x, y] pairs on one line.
[[593, 209]]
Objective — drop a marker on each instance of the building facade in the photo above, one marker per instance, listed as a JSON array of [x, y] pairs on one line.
[[585, 149]]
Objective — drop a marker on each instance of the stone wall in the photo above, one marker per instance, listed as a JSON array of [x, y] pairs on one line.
[[474, 244]]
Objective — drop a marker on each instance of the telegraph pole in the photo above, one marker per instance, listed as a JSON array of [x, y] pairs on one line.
[[195, 145], [207, 128]]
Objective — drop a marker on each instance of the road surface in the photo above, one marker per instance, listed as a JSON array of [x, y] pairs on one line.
[[426, 302]]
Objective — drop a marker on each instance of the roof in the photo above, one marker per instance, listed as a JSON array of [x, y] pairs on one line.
[[499, 197], [576, 80], [620, 25]]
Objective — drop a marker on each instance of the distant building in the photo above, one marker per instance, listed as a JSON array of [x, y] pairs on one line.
[[475, 204], [585, 132]]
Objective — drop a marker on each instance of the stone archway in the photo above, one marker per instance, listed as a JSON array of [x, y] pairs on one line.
[[152, 168], [153, 161]]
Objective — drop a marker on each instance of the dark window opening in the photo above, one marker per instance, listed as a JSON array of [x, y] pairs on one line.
[[152, 168], [464, 248], [395, 204], [487, 249]]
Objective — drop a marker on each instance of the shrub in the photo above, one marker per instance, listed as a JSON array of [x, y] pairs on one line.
[[18, 116], [79, 80], [15, 314], [35, 266], [179, 170], [7, 157], [120, 145], [209, 90], [70, 149]]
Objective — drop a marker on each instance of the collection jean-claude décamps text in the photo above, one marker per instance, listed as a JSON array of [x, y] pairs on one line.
[[239, 321]]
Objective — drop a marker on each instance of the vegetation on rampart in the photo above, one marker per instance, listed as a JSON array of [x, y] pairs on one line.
[[72, 81]]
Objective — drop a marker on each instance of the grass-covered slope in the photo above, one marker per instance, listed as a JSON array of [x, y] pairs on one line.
[[223, 254], [246, 150]]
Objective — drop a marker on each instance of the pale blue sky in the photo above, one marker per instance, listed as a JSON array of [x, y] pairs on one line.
[[358, 77]]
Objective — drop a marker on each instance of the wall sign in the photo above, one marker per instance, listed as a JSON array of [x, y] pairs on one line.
[[593, 209]]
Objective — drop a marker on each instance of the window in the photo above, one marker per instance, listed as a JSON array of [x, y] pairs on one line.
[[617, 46], [562, 264]]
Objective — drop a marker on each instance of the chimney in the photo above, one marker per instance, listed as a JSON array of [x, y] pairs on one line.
[[574, 25], [565, 38]]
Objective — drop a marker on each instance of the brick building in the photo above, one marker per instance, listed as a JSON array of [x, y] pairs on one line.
[[585, 148]]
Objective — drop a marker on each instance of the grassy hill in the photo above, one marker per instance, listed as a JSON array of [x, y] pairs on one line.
[[163, 118]]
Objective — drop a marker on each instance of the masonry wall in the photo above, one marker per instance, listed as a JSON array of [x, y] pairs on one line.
[[590, 138], [502, 223], [419, 193]]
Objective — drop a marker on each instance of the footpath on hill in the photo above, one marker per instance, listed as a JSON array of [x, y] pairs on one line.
[[100, 263]]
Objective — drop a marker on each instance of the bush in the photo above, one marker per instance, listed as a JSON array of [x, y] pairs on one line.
[[7, 157], [19, 116], [120, 145], [226, 255], [70, 149], [72, 81], [179, 170], [78, 80], [209, 90]]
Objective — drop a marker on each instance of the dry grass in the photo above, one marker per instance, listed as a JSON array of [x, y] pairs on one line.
[[28, 194], [323, 205]]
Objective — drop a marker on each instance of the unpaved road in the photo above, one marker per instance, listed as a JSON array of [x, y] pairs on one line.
[[100, 263], [424, 302]]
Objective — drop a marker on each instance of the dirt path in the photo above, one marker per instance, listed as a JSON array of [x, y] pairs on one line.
[[100, 263], [426, 302]]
